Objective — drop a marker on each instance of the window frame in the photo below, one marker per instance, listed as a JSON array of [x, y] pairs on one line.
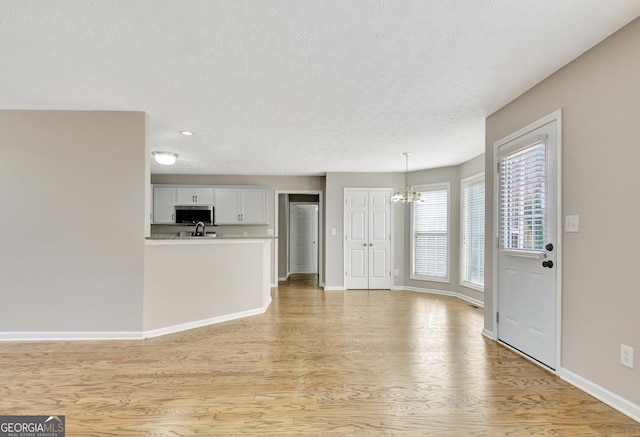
[[465, 183], [412, 275]]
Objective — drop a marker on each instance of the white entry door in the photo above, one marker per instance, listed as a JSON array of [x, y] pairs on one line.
[[303, 252], [527, 257], [367, 224]]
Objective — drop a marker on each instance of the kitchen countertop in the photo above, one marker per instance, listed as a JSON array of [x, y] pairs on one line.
[[219, 237]]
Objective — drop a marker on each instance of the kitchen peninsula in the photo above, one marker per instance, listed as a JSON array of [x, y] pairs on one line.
[[197, 281]]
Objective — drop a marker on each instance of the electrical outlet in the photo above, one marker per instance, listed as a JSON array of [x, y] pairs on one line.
[[626, 356], [397, 272]]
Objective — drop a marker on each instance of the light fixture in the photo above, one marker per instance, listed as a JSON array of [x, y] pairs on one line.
[[165, 158], [186, 132], [408, 193]]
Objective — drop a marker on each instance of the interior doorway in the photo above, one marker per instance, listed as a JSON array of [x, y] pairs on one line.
[[298, 224], [303, 237]]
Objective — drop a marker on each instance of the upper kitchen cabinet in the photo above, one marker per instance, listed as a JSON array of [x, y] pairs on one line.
[[164, 201], [195, 196], [241, 206]]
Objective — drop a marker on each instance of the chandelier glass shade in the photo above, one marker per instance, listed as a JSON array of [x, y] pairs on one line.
[[407, 193]]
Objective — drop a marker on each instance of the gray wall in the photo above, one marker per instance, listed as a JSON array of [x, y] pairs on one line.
[[599, 95], [73, 209]]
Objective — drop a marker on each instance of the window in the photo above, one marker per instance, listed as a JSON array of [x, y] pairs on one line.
[[430, 234], [472, 233], [523, 198]]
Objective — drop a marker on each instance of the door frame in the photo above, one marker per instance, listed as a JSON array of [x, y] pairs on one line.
[[557, 117], [391, 232], [276, 196]]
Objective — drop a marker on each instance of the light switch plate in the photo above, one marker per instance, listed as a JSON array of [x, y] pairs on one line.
[[572, 223]]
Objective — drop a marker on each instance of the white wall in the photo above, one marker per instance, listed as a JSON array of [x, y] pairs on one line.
[[599, 94], [72, 198]]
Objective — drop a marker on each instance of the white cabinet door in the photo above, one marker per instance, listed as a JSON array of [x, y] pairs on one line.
[[164, 201], [195, 196], [254, 206], [204, 196], [228, 206], [241, 206]]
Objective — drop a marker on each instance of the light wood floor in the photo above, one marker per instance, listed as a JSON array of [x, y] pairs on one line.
[[317, 363]]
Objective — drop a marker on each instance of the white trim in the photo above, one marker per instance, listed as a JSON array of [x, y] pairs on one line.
[[127, 335], [619, 403], [463, 183], [320, 194], [69, 335], [461, 296], [472, 286], [334, 288], [550, 118], [206, 322], [489, 334]]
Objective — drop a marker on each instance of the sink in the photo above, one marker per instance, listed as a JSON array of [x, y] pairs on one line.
[[190, 234]]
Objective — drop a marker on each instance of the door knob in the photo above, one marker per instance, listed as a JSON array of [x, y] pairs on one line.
[[548, 264], [549, 247]]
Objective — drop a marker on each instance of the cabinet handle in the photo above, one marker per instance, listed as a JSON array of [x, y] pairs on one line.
[[173, 218]]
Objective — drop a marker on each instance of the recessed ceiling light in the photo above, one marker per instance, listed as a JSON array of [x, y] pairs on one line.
[[165, 158], [186, 132]]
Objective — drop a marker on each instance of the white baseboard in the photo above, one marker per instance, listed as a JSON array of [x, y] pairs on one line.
[[206, 322], [624, 406], [464, 297], [489, 334], [333, 288], [69, 336]]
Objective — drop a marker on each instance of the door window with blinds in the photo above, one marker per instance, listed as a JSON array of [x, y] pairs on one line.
[[523, 197], [472, 224], [430, 234]]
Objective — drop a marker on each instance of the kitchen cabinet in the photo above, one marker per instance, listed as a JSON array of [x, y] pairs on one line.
[[164, 201], [195, 196], [241, 206]]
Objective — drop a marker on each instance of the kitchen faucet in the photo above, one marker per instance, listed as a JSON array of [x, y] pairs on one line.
[[199, 234]]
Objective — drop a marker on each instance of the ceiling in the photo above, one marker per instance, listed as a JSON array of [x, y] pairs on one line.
[[296, 87]]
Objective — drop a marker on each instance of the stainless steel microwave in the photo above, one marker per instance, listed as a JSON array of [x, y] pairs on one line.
[[190, 215]]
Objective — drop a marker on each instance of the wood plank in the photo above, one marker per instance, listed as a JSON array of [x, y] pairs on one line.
[[359, 362]]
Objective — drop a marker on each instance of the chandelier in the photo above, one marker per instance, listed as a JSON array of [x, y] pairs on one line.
[[407, 193]]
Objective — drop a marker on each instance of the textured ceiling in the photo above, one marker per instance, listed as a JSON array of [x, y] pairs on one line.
[[296, 86]]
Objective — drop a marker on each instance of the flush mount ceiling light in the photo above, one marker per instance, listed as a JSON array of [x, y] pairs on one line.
[[186, 132], [165, 158], [408, 193]]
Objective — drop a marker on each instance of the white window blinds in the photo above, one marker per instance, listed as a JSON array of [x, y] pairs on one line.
[[522, 198], [472, 257], [430, 234]]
